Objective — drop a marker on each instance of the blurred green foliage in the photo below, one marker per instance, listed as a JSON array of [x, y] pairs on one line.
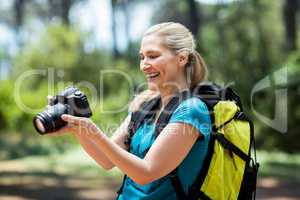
[[241, 42], [45, 67], [280, 165]]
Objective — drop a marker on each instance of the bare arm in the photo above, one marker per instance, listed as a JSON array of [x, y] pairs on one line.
[[95, 151], [88, 143], [166, 153]]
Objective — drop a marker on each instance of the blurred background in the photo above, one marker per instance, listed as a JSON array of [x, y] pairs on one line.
[[45, 45]]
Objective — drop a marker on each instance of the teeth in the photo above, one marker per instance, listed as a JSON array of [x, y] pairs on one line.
[[152, 75]]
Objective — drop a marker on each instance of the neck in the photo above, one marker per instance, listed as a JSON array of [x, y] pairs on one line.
[[167, 93]]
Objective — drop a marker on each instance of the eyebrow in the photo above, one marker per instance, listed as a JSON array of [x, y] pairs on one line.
[[150, 51]]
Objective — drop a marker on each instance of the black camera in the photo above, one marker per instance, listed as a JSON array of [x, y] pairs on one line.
[[70, 101]]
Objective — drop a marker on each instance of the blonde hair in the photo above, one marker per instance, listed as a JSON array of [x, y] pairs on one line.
[[178, 38]]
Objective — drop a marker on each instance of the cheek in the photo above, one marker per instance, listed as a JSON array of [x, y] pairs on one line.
[[172, 68], [165, 64]]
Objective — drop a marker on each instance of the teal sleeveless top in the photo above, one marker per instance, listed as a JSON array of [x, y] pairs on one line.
[[192, 111]]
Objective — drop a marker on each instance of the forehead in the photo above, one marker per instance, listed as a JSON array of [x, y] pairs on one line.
[[153, 42]]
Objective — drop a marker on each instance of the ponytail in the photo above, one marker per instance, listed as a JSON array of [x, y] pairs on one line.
[[198, 71]]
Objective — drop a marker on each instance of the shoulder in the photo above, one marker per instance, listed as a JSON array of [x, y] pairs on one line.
[[193, 111], [193, 101], [192, 105]]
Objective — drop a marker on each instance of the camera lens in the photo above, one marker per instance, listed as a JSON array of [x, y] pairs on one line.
[[40, 125], [50, 120]]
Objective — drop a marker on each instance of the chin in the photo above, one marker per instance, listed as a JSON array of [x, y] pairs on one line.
[[152, 86]]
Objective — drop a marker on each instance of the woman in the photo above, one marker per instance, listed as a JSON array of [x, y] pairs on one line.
[[171, 64]]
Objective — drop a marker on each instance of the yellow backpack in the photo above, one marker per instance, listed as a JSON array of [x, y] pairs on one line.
[[229, 171]]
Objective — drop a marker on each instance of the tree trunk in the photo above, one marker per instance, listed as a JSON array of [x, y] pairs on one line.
[[263, 53], [60, 8], [116, 53], [223, 41], [19, 13], [65, 8], [54, 8], [289, 15], [194, 17], [125, 7]]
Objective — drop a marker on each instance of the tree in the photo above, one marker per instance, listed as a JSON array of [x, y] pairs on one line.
[[116, 52], [66, 5], [125, 9], [195, 20], [61, 8], [19, 13], [262, 38], [289, 16]]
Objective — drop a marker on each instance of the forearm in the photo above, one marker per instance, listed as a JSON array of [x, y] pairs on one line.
[[154, 165], [136, 168], [91, 148]]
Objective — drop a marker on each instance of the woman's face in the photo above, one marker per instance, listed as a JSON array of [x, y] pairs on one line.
[[160, 65]]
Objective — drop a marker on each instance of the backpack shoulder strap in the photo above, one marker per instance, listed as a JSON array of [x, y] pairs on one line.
[[135, 121], [146, 109], [166, 114], [161, 123]]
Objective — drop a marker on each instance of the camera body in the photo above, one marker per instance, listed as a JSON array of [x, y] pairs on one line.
[[70, 101]]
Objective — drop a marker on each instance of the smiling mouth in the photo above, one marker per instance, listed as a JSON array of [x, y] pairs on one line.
[[152, 75]]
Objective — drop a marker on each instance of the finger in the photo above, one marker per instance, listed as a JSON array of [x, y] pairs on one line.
[[71, 119]]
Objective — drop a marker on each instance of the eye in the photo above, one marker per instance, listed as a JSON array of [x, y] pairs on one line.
[[153, 56], [141, 57]]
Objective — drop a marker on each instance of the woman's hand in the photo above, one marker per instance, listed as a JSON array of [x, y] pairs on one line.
[[79, 126]]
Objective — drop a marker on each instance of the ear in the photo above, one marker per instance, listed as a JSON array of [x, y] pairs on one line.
[[183, 58]]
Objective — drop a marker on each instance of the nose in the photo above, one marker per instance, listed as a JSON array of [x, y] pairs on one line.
[[145, 66]]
